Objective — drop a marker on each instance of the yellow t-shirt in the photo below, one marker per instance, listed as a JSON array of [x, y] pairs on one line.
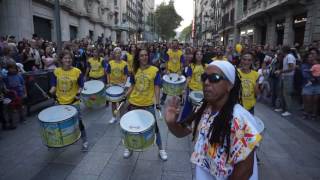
[[143, 91], [248, 82], [130, 62], [195, 83], [216, 58], [96, 70], [117, 72], [67, 84], [174, 62]]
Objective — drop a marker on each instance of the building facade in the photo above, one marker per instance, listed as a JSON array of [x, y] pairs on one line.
[[273, 22], [116, 20]]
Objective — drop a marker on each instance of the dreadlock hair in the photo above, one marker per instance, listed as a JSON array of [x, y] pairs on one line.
[[220, 129], [136, 62]]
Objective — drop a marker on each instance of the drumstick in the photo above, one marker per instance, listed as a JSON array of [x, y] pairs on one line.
[[118, 108], [42, 91], [160, 114]]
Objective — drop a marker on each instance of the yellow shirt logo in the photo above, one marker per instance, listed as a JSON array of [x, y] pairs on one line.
[[143, 91], [67, 84], [174, 63], [97, 70], [248, 83], [195, 82], [117, 75]]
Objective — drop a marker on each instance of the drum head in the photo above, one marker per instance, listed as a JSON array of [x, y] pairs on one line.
[[57, 113], [137, 121], [196, 96], [259, 124], [92, 87], [114, 90], [174, 78]]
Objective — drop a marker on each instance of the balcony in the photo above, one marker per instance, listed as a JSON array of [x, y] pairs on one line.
[[259, 7]]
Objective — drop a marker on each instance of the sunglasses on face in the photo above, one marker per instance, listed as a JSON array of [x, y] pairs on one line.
[[213, 78]]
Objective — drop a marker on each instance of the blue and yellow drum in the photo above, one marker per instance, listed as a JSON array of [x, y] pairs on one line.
[[59, 125], [93, 94], [138, 128]]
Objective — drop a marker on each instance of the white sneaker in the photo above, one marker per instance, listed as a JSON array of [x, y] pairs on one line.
[[112, 120], [278, 110], [286, 114], [85, 146], [127, 153], [163, 155]]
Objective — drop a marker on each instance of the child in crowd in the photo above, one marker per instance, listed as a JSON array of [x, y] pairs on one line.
[[16, 93]]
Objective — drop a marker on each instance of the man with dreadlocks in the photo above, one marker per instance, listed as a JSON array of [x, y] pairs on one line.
[[224, 133]]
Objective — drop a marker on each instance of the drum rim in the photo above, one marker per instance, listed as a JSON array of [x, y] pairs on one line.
[[93, 92], [114, 95], [137, 110], [76, 113]]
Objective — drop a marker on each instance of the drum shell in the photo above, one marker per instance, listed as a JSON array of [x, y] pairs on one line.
[[61, 133], [173, 89], [138, 141], [94, 100], [114, 97]]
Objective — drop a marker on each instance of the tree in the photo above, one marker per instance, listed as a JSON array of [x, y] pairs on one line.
[[167, 20], [185, 33]]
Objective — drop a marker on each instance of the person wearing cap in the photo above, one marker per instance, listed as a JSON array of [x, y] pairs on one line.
[[117, 72], [224, 133]]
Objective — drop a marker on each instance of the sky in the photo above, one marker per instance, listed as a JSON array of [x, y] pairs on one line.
[[184, 8]]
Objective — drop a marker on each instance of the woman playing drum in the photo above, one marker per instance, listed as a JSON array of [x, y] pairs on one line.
[[96, 67], [66, 84], [144, 90], [194, 72], [117, 75]]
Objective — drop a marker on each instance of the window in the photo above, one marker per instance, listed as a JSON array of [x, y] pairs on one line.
[[115, 2]]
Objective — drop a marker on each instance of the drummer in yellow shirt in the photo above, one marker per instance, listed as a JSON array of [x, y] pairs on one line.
[[144, 93], [249, 81], [66, 84], [117, 72], [174, 63], [194, 83], [96, 69], [130, 56]]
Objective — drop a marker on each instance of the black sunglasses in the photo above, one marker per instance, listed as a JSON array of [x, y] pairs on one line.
[[213, 78]]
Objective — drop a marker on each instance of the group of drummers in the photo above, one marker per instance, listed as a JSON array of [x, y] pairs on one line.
[[139, 84]]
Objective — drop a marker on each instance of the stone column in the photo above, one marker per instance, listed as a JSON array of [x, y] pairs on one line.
[[271, 32], [114, 36], [288, 30], [16, 18], [124, 37], [257, 34], [236, 33], [312, 30], [65, 26]]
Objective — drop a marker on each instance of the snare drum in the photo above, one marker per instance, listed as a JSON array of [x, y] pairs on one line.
[[196, 97], [138, 128], [93, 93], [114, 93], [59, 125], [173, 84]]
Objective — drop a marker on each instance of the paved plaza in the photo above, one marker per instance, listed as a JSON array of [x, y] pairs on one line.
[[290, 150]]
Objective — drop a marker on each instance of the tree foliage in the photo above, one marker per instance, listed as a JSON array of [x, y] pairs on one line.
[[167, 20], [185, 33]]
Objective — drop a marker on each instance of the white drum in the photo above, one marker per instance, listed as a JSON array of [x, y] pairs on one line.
[[59, 125], [138, 129], [93, 93], [196, 97], [114, 93], [173, 84]]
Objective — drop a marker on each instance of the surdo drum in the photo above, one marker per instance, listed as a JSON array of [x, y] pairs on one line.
[[173, 84]]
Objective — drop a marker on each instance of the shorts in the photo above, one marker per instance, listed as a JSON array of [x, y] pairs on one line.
[[311, 90]]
